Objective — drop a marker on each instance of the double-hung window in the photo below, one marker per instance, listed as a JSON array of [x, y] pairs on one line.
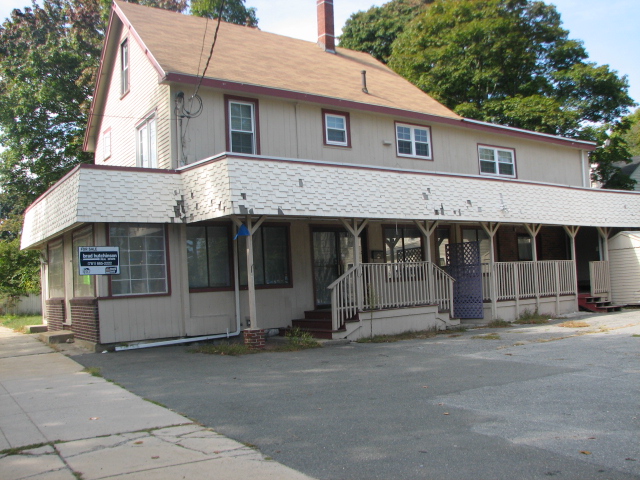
[[209, 256], [242, 126], [413, 141], [336, 128], [270, 256], [143, 263], [124, 67], [497, 161], [147, 150]]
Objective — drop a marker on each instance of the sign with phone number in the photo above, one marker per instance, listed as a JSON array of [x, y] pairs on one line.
[[99, 260]]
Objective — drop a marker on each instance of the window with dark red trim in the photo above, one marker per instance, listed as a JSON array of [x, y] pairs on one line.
[[413, 141], [209, 256], [270, 256], [242, 125], [336, 128], [497, 161]]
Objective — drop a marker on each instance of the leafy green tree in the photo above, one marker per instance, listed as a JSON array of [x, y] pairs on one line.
[[632, 136], [375, 30], [234, 11]]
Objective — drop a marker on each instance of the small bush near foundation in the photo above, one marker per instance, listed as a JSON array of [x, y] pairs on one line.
[[498, 323], [299, 338], [488, 336], [574, 324], [18, 322], [532, 318], [398, 337]]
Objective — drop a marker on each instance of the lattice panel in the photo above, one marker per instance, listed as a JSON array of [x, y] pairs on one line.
[[411, 255], [464, 265]]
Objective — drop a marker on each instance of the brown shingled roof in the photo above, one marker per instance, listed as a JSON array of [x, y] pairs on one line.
[[250, 56]]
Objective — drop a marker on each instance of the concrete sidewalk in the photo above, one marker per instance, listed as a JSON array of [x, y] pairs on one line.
[[58, 422]]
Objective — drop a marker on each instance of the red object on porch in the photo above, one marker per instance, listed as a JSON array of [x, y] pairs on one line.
[[596, 304]]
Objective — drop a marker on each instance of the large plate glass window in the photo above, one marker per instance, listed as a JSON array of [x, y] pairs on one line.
[[82, 284], [55, 270], [208, 256], [147, 149], [242, 127], [497, 161], [402, 244], [270, 256], [143, 265], [413, 141]]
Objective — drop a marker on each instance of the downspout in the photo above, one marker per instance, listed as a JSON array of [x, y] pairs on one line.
[[236, 276]]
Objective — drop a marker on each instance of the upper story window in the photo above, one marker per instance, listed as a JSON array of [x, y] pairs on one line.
[[106, 144], [124, 67], [497, 161], [242, 127], [413, 141], [336, 128], [147, 149]]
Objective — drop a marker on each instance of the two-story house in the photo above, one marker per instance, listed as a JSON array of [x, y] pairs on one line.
[[295, 180]]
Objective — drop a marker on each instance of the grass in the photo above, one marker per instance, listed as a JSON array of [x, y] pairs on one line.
[[18, 322], [532, 318], [498, 323], [296, 340], [399, 337], [574, 324], [93, 371], [487, 336]]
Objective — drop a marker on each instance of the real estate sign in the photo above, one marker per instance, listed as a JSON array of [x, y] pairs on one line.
[[99, 260]]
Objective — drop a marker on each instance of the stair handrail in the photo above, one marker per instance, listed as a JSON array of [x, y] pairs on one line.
[[338, 315]]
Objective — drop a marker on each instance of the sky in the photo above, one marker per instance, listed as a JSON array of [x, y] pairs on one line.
[[609, 29]]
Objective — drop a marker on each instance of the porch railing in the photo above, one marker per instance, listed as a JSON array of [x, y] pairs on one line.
[[600, 279], [372, 286], [520, 280]]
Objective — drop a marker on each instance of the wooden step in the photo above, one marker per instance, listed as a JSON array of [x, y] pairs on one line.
[[324, 314], [306, 323]]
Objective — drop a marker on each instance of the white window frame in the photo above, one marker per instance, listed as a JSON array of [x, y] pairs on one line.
[[253, 125], [124, 67], [414, 140], [147, 143], [106, 144], [345, 129], [496, 161]]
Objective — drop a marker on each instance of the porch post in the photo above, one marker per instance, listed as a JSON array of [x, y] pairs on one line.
[[427, 230], [533, 230], [572, 231], [355, 230], [491, 229]]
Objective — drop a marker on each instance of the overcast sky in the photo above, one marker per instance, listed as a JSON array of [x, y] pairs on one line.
[[610, 29]]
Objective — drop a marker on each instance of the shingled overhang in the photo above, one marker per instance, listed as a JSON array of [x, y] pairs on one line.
[[230, 184], [248, 60]]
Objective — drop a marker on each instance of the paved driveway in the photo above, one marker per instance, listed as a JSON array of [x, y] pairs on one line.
[[541, 401]]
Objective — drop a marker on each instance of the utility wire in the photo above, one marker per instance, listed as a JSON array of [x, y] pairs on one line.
[[213, 44]]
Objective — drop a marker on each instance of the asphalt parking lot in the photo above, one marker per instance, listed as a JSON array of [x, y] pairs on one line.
[[541, 401]]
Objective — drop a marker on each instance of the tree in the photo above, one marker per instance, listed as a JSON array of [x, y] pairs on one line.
[[632, 136], [611, 153], [375, 30], [233, 11]]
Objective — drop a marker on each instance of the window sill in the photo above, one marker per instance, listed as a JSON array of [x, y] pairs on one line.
[[129, 296]]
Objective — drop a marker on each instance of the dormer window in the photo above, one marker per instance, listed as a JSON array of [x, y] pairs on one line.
[[336, 128], [497, 161], [242, 126], [413, 141], [124, 67]]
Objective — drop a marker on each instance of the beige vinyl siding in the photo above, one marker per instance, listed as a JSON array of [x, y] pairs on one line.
[[624, 268], [124, 113]]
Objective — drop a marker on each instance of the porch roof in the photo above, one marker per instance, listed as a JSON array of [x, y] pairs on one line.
[[231, 184]]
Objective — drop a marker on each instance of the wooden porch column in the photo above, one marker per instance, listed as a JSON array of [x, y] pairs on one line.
[[355, 230], [533, 229], [491, 229], [604, 233], [572, 231], [427, 230], [251, 283]]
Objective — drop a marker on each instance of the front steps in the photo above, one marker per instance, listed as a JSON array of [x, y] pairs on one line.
[[317, 323], [596, 304]]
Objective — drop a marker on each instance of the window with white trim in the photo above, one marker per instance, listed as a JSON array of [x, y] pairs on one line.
[[106, 144], [55, 270], [143, 263], [413, 141], [497, 161], [242, 127], [146, 139], [336, 127], [124, 67]]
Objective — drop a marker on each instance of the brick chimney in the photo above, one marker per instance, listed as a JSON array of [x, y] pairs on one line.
[[326, 36]]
